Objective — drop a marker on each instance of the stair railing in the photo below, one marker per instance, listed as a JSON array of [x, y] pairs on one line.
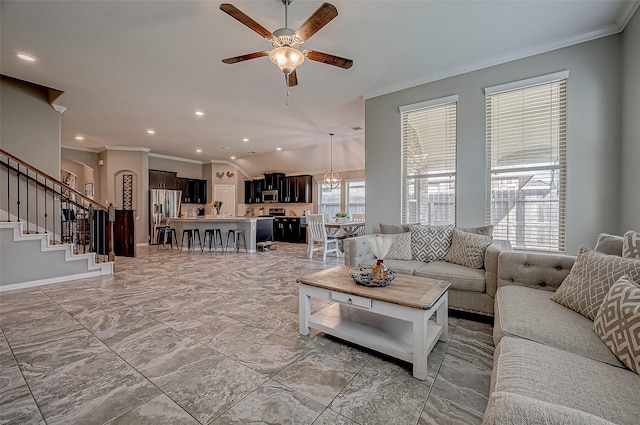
[[46, 205]]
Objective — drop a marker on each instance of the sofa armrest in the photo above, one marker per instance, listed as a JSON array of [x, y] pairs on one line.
[[357, 250], [541, 271], [491, 264]]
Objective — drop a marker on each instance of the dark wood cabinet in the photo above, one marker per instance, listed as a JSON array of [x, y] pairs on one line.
[[163, 179], [272, 181], [289, 229], [253, 191], [124, 235], [194, 191], [297, 189]]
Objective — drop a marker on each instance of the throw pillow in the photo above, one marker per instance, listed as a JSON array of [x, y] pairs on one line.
[[430, 243], [618, 322], [609, 244], [631, 245], [591, 277], [482, 230], [467, 249], [400, 247], [391, 229]]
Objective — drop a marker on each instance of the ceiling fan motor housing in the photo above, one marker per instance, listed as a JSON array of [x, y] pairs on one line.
[[286, 52]]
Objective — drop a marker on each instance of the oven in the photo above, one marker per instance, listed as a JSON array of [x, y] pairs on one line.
[[269, 196]]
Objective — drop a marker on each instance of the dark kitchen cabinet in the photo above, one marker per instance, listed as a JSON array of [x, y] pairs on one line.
[[272, 181], [289, 229], [194, 191], [253, 191], [297, 189], [163, 179]]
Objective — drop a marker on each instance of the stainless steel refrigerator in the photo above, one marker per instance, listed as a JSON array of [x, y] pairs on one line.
[[164, 204]]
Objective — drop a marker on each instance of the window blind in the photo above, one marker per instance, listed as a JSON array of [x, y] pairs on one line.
[[526, 160], [429, 162]]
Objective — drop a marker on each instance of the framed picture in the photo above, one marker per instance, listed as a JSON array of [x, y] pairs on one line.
[[88, 190]]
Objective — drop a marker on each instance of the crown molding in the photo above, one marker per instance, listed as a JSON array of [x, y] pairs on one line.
[[175, 158], [627, 14], [126, 148], [216, 161], [81, 148], [604, 31]]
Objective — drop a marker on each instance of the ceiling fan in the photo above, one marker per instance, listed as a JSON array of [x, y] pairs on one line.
[[286, 53]]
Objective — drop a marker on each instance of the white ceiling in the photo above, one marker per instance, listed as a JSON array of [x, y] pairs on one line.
[[127, 66]]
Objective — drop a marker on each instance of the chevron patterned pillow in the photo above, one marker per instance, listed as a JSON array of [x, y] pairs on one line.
[[618, 322], [591, 277], [430, 243], [400, 248], [631, 245]]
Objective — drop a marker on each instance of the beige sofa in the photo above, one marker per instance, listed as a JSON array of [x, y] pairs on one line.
[[471, 290], [550, 366]]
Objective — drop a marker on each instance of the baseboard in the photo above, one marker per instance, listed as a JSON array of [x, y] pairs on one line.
[[49, 281]]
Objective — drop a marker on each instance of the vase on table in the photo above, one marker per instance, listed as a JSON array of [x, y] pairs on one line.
[[380, 269]]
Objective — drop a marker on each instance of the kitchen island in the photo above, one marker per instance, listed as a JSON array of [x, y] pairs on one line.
[[254, 227]]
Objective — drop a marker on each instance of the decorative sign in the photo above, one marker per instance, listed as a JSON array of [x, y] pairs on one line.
[[127, 191]]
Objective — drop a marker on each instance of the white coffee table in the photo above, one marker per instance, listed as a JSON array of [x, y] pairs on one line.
[[403, 320]]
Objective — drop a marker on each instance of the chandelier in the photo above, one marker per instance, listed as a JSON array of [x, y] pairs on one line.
[[331, 179]]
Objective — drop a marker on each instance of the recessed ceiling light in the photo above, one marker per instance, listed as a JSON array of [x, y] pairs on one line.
[[151, 131], [26, 57], [80, 138], [245, 140], [199, 113], [199, 150], [233, 157], [278, 149]]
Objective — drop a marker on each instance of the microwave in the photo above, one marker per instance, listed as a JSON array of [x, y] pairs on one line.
[[269, 196]]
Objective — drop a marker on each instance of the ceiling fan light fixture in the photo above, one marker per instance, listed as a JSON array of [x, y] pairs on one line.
[[286, 58]]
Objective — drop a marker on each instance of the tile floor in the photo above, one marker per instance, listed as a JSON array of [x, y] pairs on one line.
[[212, 338]]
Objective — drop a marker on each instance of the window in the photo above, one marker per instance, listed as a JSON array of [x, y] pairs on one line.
[[328, 201], [355, 197], [526, 162], [429, 162]]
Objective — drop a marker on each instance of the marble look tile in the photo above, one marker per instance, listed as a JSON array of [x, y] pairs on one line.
[[382, 393], [119, 325], [167, 357], [442, 411], [22, 310], [10, 376], [318, 376], [57, 324], [329, 417], [337, 348], [210, 393], [272, 404], [159, 411], [270, 354], [468, 329], [199, 326], [17, 407], [231, 339], [475, 351], [462, 384]]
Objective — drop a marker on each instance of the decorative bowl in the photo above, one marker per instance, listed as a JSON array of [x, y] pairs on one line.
[[364, 276]]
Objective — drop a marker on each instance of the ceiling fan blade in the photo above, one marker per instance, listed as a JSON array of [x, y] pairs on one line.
[[316, 21], [237, 14], [245, 57], [328, 59], [292, 79]]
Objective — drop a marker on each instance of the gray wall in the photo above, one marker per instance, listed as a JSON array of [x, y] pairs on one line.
[[593, 138], [630, 209], [30, 127], [184, 169]]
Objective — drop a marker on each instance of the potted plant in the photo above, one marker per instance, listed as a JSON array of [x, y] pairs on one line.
[[216, 204], [341, 217]]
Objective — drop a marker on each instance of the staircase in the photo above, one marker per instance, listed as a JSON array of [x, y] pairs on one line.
[[49, 233]]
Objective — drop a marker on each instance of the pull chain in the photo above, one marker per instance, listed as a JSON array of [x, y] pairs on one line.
[[286, 102]]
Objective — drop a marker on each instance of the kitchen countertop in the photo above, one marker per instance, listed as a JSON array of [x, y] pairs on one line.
[[220, 219]]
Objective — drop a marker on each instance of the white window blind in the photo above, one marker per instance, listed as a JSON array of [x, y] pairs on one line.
[[355, 197], [526, 160], [429, 162], [329, 201]]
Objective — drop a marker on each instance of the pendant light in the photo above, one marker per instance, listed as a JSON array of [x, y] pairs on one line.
[[331, 179]]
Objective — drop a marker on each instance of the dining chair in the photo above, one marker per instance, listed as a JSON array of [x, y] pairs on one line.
[[317, 233]]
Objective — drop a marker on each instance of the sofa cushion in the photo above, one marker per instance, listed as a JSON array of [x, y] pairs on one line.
[[400, 247], [390, 229], [555, 376], [618, 322], [609, 244], [398, 266], [631, 245], [512, 409], [482, 230], [590, 279], [461, 278], [529, 313], [430, 243], [467, 249]]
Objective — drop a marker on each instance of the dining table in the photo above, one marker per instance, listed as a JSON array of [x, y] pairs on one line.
[[343, 229]]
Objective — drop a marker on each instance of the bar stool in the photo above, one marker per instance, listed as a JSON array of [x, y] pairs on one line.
[[214, 235], [190, 233], [163, 233], [236, 239]]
